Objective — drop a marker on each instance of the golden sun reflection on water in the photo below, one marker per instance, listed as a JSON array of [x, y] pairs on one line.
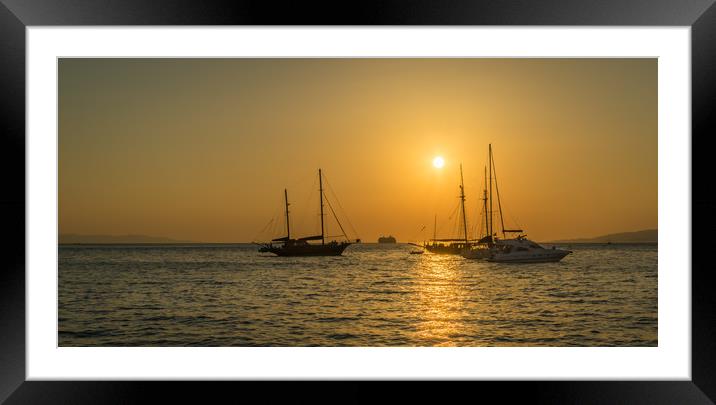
[[441, 299]]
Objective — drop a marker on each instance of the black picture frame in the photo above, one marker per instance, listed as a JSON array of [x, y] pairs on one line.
[[16, 15]]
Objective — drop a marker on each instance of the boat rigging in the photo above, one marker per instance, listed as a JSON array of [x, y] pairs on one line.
[[287, 246], [455, 245]]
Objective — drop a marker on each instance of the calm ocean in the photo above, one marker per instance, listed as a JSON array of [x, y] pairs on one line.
[[373, 295]]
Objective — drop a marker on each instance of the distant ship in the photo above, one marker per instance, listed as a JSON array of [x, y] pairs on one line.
[[386, 239], [507, 250], [287, 246]]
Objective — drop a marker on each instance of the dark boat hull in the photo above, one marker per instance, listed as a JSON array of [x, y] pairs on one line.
[[330, 249], [451, 249]]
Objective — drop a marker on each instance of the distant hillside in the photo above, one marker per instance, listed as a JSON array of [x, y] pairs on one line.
[[109, 239], [646, 236]]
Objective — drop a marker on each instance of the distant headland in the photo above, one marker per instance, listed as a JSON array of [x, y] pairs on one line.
[[72, 239], [645, 236]]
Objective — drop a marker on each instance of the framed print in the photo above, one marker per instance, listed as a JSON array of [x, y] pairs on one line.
[[319, 199]]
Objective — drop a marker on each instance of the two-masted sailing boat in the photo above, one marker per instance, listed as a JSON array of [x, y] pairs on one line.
[[506, 250], [287, 246], [453, 246]]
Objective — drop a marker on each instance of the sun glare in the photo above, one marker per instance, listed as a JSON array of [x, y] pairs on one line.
[[438, 162]]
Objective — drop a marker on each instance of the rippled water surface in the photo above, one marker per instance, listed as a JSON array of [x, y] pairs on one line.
[[373, 295]]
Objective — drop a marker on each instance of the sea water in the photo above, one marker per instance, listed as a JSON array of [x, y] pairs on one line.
[[373, 295]]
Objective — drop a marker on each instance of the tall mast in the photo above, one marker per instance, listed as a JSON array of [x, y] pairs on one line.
[[320, 192], [484, 200], [288, 223], [490, 164], [462, 201]]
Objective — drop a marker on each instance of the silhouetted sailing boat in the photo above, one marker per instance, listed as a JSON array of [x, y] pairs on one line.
[[286, 246], [481, 249], [452, 246], [507, 250]]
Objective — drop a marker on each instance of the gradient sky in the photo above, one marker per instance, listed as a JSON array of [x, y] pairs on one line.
[[201, 149]]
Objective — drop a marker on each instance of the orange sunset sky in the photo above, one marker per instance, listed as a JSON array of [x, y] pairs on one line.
[[202, 149]]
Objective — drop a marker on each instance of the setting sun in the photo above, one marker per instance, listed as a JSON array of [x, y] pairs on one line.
[[438, 162]]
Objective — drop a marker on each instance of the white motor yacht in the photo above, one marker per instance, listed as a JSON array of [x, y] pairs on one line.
[[523, 250]]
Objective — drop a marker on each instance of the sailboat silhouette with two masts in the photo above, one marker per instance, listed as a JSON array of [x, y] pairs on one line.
[[287, 246]]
